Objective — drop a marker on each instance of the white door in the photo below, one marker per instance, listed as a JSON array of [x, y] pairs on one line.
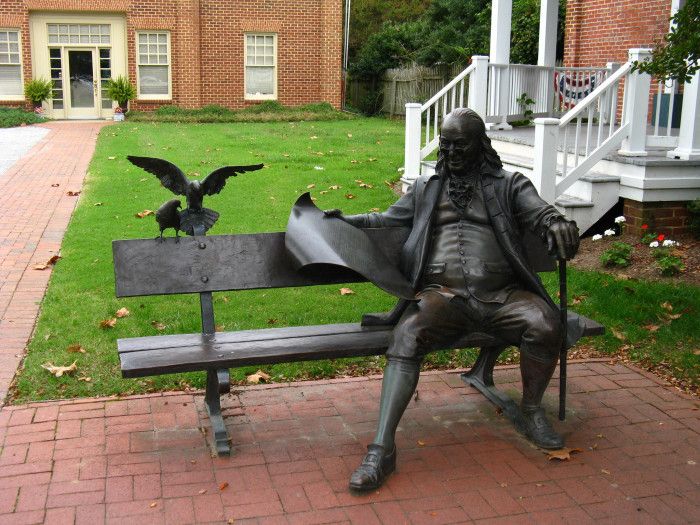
[[81, 85]]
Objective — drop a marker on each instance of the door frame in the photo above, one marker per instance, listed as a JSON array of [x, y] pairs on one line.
[[40, 61], [81, 113]]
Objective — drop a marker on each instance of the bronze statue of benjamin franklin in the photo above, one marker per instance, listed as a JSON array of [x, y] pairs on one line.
[[464, 258]]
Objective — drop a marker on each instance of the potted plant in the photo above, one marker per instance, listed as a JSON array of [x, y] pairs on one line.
[[37, 91], [122, 91]]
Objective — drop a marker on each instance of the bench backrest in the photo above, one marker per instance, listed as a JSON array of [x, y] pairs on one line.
[[243, 262]]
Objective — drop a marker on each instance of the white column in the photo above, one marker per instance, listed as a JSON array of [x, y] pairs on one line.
[[499, 53], [689, 135], [412, 144], [547, 46], [544, 170], [478, 85], [636, 107]]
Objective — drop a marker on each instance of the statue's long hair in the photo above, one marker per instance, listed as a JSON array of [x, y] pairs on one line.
[[489, 158]]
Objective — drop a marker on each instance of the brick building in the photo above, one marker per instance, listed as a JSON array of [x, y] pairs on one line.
[[189, 53]]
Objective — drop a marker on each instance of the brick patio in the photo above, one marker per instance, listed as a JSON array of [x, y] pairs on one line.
[[146, 459]]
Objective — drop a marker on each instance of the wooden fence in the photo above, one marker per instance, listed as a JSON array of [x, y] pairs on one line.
[[399, 86]]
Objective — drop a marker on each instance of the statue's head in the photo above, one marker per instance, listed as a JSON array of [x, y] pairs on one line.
[[464, 145]]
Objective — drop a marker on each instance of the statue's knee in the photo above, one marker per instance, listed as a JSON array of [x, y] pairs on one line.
[[544, 330]]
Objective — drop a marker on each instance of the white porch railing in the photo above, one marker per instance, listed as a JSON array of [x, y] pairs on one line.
[[662, 134]]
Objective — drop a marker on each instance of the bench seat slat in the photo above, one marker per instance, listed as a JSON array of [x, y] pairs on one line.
[[144, 356]]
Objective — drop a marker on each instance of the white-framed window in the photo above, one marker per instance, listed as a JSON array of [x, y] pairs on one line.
[[11, 84], [153, 65], [260, 66]]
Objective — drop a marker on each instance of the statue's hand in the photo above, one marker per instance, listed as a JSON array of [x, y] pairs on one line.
[[562, 239], [334, 213]]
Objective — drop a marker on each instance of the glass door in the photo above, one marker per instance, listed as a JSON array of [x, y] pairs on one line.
[[82, 95]]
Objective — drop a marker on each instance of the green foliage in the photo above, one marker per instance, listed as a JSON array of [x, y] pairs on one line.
[[525, 102], [454, 30], [677, 56], [11, 117], [668, 264], [394, 45], [694, 210], [121, 90], [266, 106], [618, 255], [525, 31], [38, 90]]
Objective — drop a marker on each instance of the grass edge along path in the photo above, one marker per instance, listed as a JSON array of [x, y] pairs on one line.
[[345, 164]]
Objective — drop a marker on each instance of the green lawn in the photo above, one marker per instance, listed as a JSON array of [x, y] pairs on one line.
[[81, 292]]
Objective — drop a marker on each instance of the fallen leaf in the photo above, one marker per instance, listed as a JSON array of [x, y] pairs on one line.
[[122, 312], [313, 137], [58, 371], [202, 491], [374, 209], [111, 158], [673, 317], [605, 471], [563, 454], [285, 154], [157, 325], [618, 335], [667, 306], [349, 196], [346, 291], [421, 443], [257, 377], [367, 186], [388, 183], [691, 462], [504, 485], [371, 159], [153, 504], [310, 186], [76, 348], [323, 192], [144, 213], [98, 204], [334, 187], [651, 327], [108, 323], [143, 179], [353, 161], [349, 135], [578, 299], [53, 260], [319, 168], [271, 320], [223, 486], [55, 185], [219, 327], [72, 193], [85, 379]]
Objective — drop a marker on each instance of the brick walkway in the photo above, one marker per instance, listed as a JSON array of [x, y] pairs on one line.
[[145, 459], [35, 213]]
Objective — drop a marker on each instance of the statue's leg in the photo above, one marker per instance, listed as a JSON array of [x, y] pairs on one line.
[[530, 323], [422, 326]]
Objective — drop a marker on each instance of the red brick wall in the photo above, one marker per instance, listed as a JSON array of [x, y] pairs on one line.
[[669, 218], [207, 44], [600, 31]]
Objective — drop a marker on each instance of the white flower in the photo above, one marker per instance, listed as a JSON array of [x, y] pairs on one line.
[[620, 219], [320, 168], [597, 237], [669, 242], [608, 233], [654, 244]]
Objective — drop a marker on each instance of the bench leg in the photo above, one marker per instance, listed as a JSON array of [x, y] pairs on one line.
[[218, 382], [481, 377]]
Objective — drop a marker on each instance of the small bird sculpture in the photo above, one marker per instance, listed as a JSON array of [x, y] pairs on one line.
[[167, 216], [195, 219]]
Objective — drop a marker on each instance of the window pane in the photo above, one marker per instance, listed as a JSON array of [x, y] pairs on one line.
[[162, 48], [163, 38], [4, 58], [10, 80], [259, 80], [143, 38], [143, 59], [55, 53], [4, 47], [153, 80], [268, 61], [152, 38]]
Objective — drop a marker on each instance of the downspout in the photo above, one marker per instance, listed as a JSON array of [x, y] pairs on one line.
[[346, 47]]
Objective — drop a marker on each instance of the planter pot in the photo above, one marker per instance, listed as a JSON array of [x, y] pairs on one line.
[[118, 117]]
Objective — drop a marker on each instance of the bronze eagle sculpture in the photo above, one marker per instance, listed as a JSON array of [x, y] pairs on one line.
[[195, 219]]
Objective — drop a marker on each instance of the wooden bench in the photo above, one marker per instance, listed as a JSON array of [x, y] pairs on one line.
[[242, 262]]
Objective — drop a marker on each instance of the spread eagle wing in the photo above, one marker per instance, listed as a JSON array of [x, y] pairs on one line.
[[216, 180], [170, 175]]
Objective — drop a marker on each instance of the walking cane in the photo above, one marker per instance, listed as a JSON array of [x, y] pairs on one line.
[[562, 351]]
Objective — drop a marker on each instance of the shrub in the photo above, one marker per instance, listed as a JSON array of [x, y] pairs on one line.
[[38, 90], [266, 106], [618, 255], [11, 117], [120, 90], [668, 263]]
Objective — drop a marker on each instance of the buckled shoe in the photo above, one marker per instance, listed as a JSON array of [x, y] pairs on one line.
[[374, 469], [539, 430]]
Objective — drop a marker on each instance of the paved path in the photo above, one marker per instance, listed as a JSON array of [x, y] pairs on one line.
[[35, 212], [145, 459]]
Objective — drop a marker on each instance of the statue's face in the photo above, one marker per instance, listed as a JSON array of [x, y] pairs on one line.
[[460, 144]]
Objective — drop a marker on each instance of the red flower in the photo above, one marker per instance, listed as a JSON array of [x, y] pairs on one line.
[[661, 237], [645, 226]]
